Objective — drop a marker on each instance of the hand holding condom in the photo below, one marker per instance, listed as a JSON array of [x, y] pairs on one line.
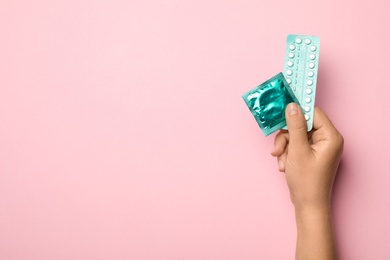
[[309, 160]]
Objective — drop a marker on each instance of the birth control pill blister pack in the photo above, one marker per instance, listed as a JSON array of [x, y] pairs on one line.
[[300, 70]]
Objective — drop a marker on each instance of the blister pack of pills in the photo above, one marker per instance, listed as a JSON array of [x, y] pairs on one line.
[[268, 103], [300, 70]]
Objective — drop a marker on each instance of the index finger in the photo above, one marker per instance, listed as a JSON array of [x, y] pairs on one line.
[[322, 121]]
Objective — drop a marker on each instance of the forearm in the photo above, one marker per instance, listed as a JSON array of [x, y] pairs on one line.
[[314, 233], [309, 162]]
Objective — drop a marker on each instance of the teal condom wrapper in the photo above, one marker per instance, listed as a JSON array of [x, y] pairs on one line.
[[268, 103]]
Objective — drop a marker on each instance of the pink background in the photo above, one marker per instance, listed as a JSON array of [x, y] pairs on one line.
[[123, 134]]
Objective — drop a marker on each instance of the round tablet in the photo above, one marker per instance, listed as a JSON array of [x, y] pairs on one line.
[[291, 55], [309, 82], [289, 72], [310, 73], [307, 108], [307, 41], [312, 56], [307, 117], [307, 100], [308, 91], [288, 81], [290, 63], [298, 40], [311, 65], [313, 48], [292, 47]]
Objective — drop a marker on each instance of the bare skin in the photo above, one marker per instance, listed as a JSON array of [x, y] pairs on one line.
[[310, 162]]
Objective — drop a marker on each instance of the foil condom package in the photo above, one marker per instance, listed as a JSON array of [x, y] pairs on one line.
[[268, 102]]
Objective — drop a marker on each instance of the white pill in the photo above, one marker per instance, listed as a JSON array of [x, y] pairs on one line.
[[313, 48], [307, 41], [291, 55], [312, 56], [308, 91], [307, 100], [292, 47], [307, 108], [288, 81], [298, 40], [311, 65], [310, 73], [309, 82], [307, 117], [289, 72], [290, 63]]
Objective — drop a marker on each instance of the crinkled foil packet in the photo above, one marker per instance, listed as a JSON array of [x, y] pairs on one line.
[[268, 103]]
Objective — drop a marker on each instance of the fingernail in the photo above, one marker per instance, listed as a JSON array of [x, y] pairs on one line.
[[292, 109], [281, 164]]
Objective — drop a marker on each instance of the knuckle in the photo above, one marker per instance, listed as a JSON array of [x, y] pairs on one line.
[[278, 135], [340, 141], [302, 127], [337, 140], [299, 128]]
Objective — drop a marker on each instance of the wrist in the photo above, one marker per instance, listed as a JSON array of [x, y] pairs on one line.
[[314, 231], [314, 206], [308, 213], [304, 203]]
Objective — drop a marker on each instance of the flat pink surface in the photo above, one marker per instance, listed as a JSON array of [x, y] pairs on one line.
[[123, 134]]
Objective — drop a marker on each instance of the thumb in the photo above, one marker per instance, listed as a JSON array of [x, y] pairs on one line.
[[297, 129]]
